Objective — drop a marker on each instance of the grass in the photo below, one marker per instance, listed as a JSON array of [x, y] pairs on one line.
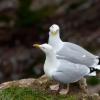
[[22, 93], [93, 80]]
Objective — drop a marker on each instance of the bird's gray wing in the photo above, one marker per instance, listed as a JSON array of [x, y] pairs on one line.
[[80, 49], [68, 72], [76, 54]]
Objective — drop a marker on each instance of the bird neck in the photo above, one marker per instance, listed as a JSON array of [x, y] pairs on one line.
[[51, 63], [55, 41], [51, 57]]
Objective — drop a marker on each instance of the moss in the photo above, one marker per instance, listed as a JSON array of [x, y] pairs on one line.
[[93, 80], [19, 93]]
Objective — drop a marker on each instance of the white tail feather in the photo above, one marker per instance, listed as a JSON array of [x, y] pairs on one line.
[[92, 74], [97, 67]]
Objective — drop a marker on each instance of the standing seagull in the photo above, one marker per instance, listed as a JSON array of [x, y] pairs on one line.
[[71, 51], [61, 70]]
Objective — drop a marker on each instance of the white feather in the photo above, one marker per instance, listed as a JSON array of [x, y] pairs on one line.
[[97, 67], [92, 74]]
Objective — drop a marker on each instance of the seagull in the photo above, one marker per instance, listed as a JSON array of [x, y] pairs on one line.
[[73, 53], [70, 51], [61, 70]]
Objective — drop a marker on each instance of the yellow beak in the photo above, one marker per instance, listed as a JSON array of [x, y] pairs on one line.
[[53, 33], [36, 45]]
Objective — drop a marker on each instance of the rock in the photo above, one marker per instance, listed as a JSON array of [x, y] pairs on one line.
[[63, 92], [43, 79], [20, 83], [94, 96], [54, 87], [5, 85], [36, 84], [30, 82], [26, 83]]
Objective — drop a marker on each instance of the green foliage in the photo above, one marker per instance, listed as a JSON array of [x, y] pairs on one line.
[[18, 93], [93, 81], [27, 17], [4, 18], [23, 13]]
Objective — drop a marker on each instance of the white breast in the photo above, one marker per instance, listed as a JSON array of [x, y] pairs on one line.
[[50, 68]]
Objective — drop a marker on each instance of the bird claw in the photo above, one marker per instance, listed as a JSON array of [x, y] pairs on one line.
[[54, 87], [63, 91]]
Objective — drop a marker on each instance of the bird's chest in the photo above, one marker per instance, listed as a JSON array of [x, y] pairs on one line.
[[49, 69]]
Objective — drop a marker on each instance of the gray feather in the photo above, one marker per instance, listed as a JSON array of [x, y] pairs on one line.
[[77, 54], [68, 72]]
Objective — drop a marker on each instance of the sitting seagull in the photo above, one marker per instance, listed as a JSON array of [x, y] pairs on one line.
[[62, 70], [70, 51]]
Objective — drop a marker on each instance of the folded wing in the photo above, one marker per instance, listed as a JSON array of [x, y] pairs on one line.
[[77, 54], [68, 72]]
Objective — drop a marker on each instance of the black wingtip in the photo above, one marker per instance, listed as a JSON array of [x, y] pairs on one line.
[[92, 69], [99, 61]]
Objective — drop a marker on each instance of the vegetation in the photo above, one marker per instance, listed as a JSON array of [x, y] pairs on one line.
[[93, 81], [22, 93]]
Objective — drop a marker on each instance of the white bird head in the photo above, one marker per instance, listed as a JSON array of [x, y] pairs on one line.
[[46, 48], [54, 29]]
